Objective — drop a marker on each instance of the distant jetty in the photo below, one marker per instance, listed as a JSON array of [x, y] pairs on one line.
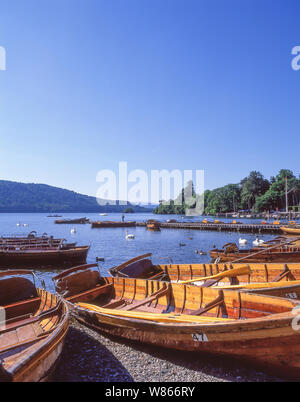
[[112, 224], [229, 227]]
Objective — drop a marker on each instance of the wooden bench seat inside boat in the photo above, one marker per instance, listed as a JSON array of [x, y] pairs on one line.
[[138, 269], [14, 337], [32, 328], [16, 289], [98, 290], [78, 283], [15, 310], [18, 296]]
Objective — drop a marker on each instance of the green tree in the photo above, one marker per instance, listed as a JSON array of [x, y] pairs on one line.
[[274, 197], [223, 199], [186, 199], [128, 210], [252, 186]]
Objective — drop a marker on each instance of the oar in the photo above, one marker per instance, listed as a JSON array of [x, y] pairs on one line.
[[264, 250], [261, 285], [224, 274]]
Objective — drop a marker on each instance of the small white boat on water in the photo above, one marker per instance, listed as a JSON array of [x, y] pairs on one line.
[[103, 214], [242, 241]]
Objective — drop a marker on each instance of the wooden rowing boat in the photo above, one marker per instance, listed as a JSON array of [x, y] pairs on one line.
[[291, 230], [42, 255], [69, 221], [270, 279], [112, 224], [142, 267], [288, 251], [229, 323], [33, 327], [153, 225], [41, 241]]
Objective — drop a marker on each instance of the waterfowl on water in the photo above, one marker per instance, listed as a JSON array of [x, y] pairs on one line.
[[242, 241], [129, 236], [257, 242]]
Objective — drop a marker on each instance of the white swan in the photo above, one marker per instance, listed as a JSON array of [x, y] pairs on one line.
[[129, 236], [257, 242], [242, 241], [73, 230]]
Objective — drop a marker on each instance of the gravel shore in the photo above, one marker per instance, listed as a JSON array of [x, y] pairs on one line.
[[90, 356]]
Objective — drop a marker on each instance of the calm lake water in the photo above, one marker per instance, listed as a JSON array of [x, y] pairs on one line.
[[111, 244]]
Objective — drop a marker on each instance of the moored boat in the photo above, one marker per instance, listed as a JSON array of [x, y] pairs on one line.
[[70, 221], [112, 224], [281, 280], [282, 251], [33, 240], [33, 327], [152, 224], [142, 267], [291, 230], [229, 323], [26, 255]]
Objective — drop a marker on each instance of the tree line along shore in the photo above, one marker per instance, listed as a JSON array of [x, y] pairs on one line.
[[254, 194]]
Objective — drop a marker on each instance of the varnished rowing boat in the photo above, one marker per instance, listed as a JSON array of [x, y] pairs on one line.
[[112, 224], [269, 279], [253, 327], [73, 221], [33, 327], [291, 230], [153, 225], [142, 267], [288, 251], [33, 240], [32, 254]]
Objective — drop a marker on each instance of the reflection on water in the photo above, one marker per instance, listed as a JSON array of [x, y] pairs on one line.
[[111, 243]]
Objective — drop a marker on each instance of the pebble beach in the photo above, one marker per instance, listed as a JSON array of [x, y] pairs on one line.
[[89, 356]]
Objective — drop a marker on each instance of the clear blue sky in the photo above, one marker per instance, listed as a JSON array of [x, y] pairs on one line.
[[174, 84]]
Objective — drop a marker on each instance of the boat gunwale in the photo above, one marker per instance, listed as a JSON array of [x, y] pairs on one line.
[[283, 319], [46, 345]]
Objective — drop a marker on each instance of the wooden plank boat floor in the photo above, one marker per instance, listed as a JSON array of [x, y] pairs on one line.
[[13, 357], [118, 304], [21, 334]]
